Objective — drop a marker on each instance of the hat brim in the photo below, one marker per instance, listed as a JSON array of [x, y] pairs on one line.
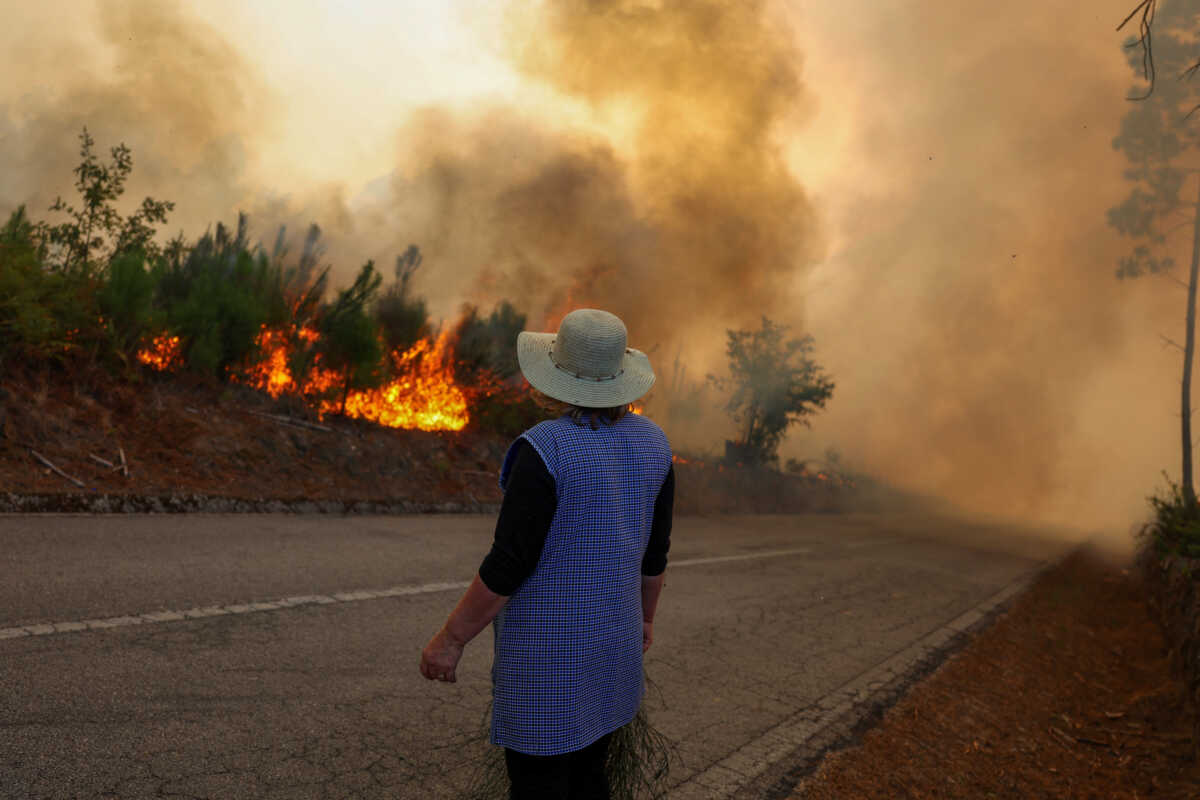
[[533, 354]]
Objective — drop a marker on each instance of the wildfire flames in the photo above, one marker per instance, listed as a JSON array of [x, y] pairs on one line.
[[422, 395], [162, 353], [272, 374]]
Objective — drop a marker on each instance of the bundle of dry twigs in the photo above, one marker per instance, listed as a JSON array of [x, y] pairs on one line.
[[638, 763]]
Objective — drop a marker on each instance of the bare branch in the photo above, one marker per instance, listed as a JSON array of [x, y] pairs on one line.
[[102, 461], [1170, 343], [1173, 279], [1140, 6], [56, 470]]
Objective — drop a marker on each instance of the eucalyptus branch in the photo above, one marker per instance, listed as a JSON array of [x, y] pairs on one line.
[[1147, 8]]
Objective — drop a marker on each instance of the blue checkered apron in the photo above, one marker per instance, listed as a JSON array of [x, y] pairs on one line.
[[567, 665]]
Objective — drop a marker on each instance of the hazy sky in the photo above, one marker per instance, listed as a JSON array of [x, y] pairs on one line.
[[921, 185]]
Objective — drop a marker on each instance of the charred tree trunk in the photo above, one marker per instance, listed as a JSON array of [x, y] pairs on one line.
[[1189, 349]]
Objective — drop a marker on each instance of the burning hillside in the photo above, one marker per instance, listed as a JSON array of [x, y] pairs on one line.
[[421, 394]]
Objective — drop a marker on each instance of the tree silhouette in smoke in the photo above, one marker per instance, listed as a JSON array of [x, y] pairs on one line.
[[79, 243], [775, 383], [1162, 149]]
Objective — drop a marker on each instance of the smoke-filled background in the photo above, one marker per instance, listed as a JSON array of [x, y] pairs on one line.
[[922, 186]]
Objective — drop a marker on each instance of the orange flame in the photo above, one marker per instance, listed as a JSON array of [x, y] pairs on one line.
[[423, 394], [162, 354], [271, 374]]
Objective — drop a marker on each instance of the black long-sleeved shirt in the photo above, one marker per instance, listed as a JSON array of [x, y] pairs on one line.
[[530, 500]]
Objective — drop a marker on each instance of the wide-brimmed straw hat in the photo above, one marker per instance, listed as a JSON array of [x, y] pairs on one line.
[[586, 363]]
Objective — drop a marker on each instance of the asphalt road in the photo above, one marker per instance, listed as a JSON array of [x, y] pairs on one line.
[[135, 663]]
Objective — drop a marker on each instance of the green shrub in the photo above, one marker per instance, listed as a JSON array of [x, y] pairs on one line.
[[505, 410], [350, 338], [1175, 529], [488, 344], [403, 319], [485, 361], [44, 315], [217, 296], [126, 301]]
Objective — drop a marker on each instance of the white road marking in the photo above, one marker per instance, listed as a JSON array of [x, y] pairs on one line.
[[149, 618], [687, 562]]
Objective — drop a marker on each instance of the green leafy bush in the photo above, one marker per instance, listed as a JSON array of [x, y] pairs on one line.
[[80, 288], [95, 232], [1175, 529], [217, 296], [126, 302], [44, 315]]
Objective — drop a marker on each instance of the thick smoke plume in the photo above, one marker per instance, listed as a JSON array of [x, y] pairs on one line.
[[683, 222], [968, 306]]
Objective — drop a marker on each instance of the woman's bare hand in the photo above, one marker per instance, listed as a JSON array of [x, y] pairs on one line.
[[647, 635], [440, 658]]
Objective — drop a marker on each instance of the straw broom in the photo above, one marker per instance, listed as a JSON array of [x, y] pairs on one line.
[[638, 763]]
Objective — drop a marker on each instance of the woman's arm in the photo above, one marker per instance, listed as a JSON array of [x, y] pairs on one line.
[[654, 562], [528, 509], [477, 608], [651, 588]]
